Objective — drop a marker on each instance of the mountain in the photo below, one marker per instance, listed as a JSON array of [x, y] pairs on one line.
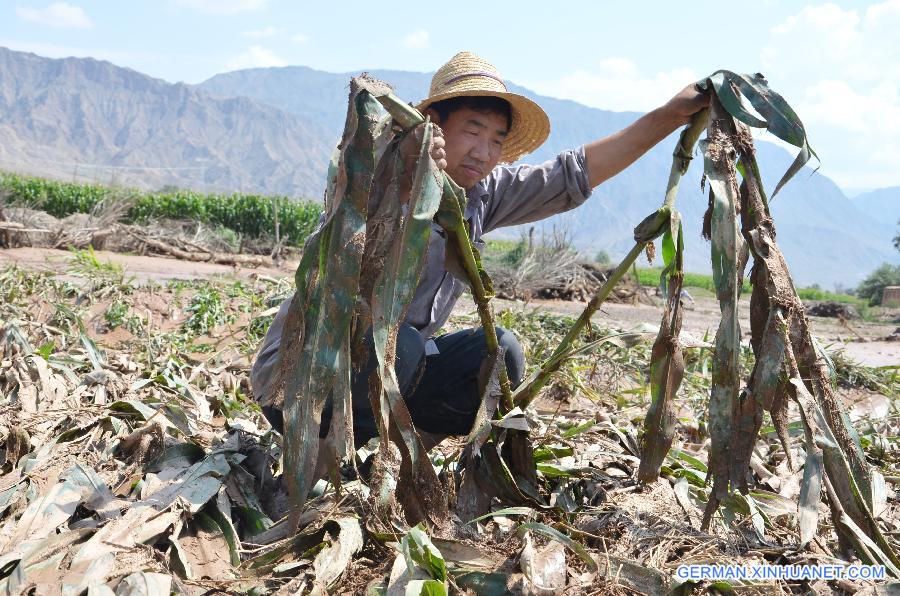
[[272, 130], [93, 120], [882, 204], [826, 237]]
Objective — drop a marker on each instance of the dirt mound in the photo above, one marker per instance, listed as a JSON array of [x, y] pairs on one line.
[[835, 310]]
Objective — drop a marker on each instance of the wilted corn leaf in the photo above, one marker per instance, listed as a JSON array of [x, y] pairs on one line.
[[566, 541], [718, 159], [45, 513], [422, 497], [142, 583], [810, 492], [318, 323], [34, 556], [780, 118], [824, 416]]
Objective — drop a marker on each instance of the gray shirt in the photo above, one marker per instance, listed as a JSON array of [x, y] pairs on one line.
[[510, 195]]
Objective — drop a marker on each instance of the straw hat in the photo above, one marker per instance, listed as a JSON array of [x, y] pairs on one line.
[[467, 74]]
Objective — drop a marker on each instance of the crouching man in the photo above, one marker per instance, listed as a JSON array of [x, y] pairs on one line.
[[483, 125]]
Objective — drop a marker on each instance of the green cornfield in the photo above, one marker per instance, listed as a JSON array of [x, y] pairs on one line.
[[250, 215]]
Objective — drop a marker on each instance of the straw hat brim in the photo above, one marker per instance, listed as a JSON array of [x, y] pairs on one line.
[[530, 125]]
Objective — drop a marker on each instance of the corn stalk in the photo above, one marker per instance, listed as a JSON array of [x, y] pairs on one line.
[[655, 224]]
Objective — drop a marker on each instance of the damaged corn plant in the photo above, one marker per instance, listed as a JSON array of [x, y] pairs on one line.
[[497, 463]]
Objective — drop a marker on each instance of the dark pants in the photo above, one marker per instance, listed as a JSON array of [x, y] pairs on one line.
[[446, 398]]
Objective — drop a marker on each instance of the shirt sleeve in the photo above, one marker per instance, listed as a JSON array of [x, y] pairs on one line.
[[526, 193]]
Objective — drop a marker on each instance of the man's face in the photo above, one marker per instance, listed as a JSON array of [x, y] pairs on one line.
[[474, 142]]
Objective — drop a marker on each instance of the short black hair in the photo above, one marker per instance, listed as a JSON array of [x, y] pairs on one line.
[[483, 104]]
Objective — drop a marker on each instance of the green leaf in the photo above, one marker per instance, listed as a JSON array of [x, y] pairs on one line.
[[504, 512], [426, 587], [542, 454], [418, 549], [681, 455], [577, 430], [780, 118], [45, 350]]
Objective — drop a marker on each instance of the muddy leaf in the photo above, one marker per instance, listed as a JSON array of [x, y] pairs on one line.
[[44, 514], [631, 574], [333, 560], [95, 572], [422, 496], [95, 494], [719, 156], [317, 328], [206, 549], [666, 364], [145, 584], [149, 518], [463, 554], [810, 494]]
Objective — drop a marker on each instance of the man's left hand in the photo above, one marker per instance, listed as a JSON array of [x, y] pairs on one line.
[[686, 103]]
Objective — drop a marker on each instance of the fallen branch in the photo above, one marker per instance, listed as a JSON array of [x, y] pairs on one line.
[[198, 257]]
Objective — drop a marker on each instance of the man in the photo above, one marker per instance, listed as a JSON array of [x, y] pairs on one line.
[[483, 125]]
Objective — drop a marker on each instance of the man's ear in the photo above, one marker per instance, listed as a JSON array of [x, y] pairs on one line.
[[435, 117]]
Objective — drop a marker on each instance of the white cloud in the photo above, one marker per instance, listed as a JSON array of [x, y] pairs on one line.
[[223, 6], [839, 69], [617, 84], [58, 14], [255, 57], [299, 38], [263, 33], [417, 40]]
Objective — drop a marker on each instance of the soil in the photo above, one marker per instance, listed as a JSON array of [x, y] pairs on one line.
[[864, 341]]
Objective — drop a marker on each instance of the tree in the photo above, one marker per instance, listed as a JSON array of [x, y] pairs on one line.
[[873, 286], [603, 257]]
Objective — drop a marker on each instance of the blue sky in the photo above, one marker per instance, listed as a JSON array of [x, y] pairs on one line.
[[838, 63]]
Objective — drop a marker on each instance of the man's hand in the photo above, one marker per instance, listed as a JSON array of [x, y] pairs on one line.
[[409, 150], [610, 155], [409, 147], [686, 103], [437, 147]]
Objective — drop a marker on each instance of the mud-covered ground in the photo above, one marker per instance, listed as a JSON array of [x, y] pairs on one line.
[[132, 450]]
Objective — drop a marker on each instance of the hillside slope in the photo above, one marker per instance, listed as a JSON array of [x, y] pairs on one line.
[[76, 117]]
